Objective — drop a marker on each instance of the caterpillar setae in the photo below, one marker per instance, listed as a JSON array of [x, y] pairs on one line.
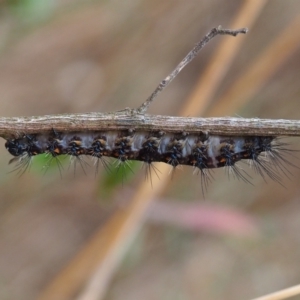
[[201, 151]]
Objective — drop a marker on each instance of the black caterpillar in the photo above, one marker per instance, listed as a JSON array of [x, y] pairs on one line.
[[202, 151]]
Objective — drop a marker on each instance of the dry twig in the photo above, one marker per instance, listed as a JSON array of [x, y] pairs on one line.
[[137, 119], [129, 119]]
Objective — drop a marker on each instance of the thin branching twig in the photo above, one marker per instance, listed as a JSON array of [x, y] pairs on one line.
[[136, 118]]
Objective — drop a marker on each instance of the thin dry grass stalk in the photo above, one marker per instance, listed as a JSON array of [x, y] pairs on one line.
[[220, 62], [260, 70], [283, 294]]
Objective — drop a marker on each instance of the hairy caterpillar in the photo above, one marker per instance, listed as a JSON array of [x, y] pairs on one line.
[[201, 151]]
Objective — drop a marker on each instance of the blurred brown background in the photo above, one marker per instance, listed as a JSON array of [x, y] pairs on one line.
[[81, 56]]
